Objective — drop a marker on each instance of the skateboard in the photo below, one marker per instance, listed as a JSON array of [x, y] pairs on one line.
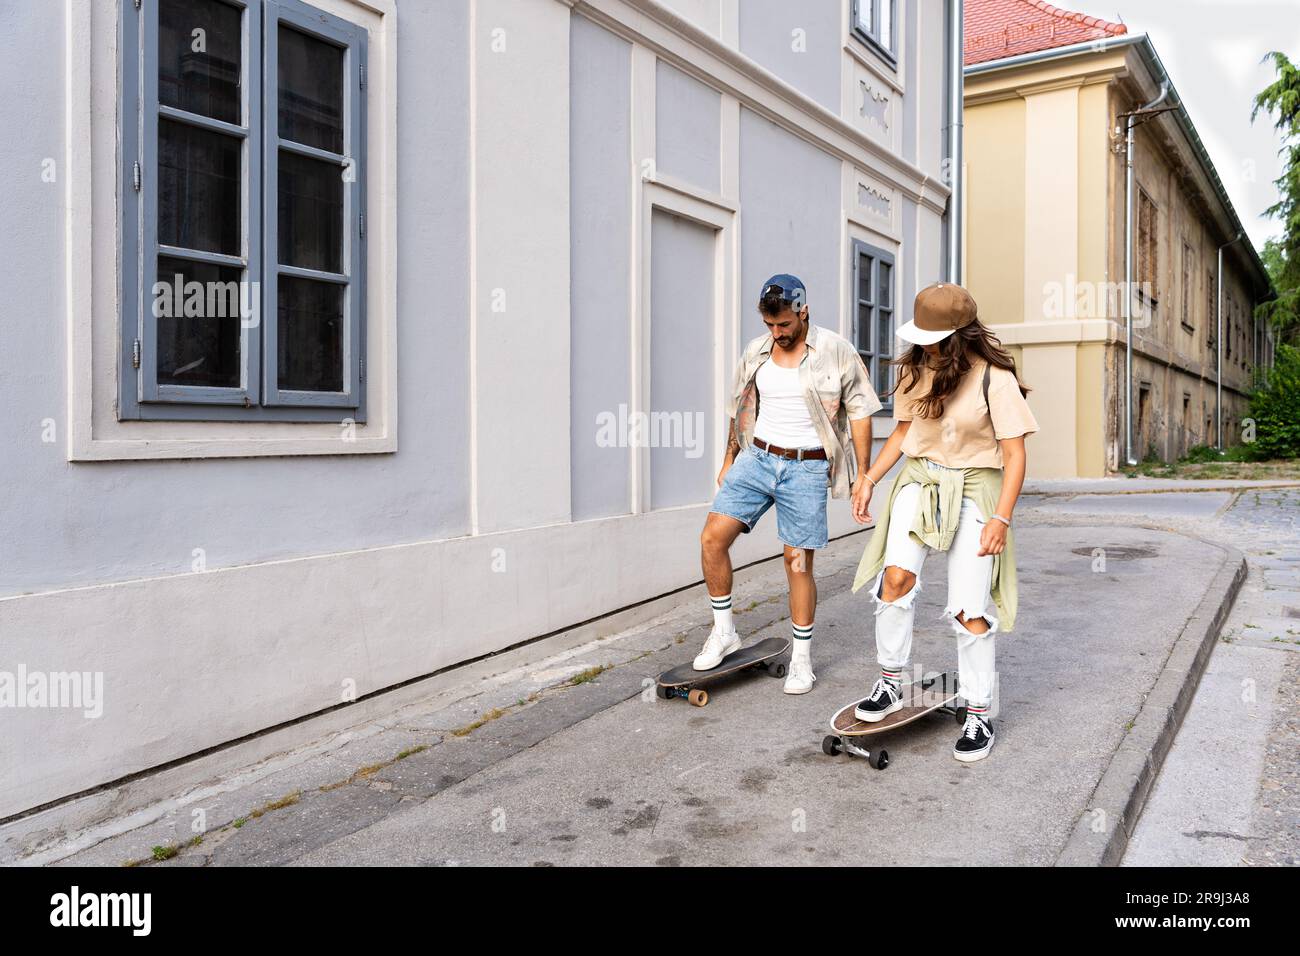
[[684, 680], [935, 693]]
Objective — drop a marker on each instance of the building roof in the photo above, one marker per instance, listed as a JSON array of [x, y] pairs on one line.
[[1000, 28], [1155, 70]]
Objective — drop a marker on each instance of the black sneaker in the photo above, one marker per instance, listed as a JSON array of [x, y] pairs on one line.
[[976, 739], [884, 699]]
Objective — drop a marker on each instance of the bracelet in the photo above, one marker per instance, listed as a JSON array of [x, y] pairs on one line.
[[1005, 521], [870, 479]]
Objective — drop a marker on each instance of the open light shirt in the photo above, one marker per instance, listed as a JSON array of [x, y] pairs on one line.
[[836, 388]]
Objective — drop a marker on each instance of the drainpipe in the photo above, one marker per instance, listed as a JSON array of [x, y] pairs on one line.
[[1128, 270], [956, 58], [1218, 346]]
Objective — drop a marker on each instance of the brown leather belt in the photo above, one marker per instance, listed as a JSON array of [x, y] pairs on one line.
[[792, 453]]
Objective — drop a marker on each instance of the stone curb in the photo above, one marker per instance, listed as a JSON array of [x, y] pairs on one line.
[[1102, 832]]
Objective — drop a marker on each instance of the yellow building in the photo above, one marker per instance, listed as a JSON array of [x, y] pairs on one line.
[[1049, 98]]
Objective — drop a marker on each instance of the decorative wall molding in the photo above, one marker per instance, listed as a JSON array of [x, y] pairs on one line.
[[874, 200], [875, 106], [706, 58], [717, 213]]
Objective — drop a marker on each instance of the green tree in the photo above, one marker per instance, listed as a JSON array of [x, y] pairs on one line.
[[1282, 257], [1275, 407]]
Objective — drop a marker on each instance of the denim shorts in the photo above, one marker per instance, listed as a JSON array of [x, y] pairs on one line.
[[757, 479]]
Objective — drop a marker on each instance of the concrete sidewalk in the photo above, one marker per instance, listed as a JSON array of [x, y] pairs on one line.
[[556, 762]]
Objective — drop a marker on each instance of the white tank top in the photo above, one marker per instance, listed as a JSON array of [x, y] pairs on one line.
[[783, 418]]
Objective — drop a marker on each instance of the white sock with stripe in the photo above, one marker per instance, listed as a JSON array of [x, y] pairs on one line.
[[722, 613], [802, 647]]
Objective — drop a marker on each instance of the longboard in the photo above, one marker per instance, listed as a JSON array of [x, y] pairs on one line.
[[934, 693], [685, 681]]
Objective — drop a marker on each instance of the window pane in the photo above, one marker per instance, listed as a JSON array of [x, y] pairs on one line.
[[886, 24], [886, 284], [864, 278], [199, 58], [311, 91], [310, 213], [864, 329], [310, 335], [199, 328], [885, 334], [862, 15], [880, 375], [198, 189]]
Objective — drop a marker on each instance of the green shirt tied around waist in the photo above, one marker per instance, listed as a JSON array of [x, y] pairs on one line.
[[935, 524]]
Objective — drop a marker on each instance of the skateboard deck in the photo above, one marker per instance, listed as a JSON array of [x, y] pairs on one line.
[[685, 681], [935, 693]]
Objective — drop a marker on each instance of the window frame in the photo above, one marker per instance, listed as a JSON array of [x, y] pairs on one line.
[[1188, 287], [140, 397], [1211, 314], [871, 37], [302, 17], [151, 115], [1229, 327], [874, 357], [1148, 249]]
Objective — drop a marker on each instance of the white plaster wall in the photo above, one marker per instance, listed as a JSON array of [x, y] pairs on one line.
[[382, 568]]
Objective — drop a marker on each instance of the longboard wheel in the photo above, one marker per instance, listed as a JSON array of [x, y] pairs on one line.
[[662, 692], [831, 745], [698, 698], [879, 759], [961, 714], [777, 670]]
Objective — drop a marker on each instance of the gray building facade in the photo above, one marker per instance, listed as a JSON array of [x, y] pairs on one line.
[[497, 414]]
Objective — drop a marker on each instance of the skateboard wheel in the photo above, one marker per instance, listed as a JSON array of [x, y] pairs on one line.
[[777, 670], [961, 714], [830, 745], [698, 698], [662, 692], [879, 759]]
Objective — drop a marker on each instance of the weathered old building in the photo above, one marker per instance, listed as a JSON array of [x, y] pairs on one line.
[[1048, 94]]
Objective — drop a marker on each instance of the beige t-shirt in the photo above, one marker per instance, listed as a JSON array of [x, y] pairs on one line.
[[967, 434]]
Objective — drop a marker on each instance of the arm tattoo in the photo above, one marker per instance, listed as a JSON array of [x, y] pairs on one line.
[[733, 443]]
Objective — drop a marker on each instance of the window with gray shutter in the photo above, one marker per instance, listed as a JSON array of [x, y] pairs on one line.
[[873, 314], [873, 22], [243, 226]]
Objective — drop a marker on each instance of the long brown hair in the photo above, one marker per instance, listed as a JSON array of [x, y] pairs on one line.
[[954, 360]]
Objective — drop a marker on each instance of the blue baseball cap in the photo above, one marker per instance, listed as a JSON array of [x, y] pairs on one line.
[[789, 287]]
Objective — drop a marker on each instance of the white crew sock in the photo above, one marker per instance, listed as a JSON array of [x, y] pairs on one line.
[[722, 613], [802, 644]]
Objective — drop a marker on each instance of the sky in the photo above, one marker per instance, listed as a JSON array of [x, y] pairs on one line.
[[1212, 50]]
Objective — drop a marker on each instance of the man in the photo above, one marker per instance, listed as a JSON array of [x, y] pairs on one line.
[[799, 392]]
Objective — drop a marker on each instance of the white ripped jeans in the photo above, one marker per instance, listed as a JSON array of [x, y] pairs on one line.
[[969, 579]]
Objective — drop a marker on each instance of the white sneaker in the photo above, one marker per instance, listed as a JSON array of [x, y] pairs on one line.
[[718, 646], [800, 678]]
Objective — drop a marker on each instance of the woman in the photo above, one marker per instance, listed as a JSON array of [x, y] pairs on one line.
[[961, 424]]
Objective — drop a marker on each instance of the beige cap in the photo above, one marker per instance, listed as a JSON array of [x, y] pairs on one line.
[[939, 310]]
